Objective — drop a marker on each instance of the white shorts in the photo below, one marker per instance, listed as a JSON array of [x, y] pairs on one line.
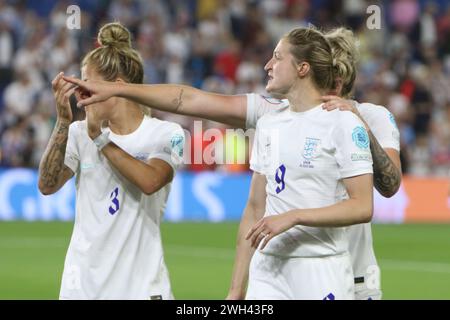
[[298, 278]]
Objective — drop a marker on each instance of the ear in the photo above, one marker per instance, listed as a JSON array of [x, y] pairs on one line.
[[303, 69]]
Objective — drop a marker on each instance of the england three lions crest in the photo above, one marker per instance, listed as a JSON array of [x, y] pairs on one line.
[[311, 148]]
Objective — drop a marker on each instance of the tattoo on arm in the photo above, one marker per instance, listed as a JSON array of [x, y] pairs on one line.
[[178, 102], [52, 163], [386, 176]]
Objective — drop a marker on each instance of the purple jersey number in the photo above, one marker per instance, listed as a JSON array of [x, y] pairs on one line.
[[279, 178], [115, 202]]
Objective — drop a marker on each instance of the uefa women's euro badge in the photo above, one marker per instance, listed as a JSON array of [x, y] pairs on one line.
[[177, 143], [360, 137]]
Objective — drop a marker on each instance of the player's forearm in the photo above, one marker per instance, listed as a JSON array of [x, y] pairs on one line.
[[386, 176], [244, 253], [52, 162], [164, 97], [345, 213], [187, 101], [137, 172]]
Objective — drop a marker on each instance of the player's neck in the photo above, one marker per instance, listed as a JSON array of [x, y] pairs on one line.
[[127, 117], [304, 98]]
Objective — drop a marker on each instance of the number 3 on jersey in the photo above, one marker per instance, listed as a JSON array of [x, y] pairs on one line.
[[279, 178], [114, 207]]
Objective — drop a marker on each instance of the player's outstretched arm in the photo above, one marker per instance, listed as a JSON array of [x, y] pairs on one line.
[[387, 170], [254, 211], [178, 99], [357, 209], [53, 173]]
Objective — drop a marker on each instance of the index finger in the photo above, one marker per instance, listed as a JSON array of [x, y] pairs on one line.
[[76, 81]]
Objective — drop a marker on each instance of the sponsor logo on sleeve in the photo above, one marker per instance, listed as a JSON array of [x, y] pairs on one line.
[[361, 157]]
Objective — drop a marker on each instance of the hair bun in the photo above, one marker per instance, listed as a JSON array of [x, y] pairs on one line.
[[114, 34]]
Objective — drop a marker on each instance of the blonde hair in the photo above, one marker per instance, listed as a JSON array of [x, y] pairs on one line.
[[345, 55], [310, 45], [116, 58]]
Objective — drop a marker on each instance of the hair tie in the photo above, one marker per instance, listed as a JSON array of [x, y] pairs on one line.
[[334, 62]]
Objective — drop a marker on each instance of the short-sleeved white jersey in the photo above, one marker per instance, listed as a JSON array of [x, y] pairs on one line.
[[305, 156], [115, 251], [382, 124]]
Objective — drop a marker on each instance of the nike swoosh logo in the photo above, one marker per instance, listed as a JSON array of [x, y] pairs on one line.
[[85, 166]]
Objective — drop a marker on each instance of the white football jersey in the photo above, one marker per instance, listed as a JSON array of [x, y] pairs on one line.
[[305, 156], [115, 251], [383, 126]]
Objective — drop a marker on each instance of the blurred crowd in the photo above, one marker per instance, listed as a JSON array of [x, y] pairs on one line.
[[222, 46]]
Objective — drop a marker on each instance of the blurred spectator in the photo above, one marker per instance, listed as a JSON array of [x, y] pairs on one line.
[[61, 54], [443, 31], [125, 11], [427, 25], [440, 143], [404, 14], [41, 122], [16, 143], [6, 45], [421, 101], [6, 56], [227, 62], [20, 95], [354, 11]]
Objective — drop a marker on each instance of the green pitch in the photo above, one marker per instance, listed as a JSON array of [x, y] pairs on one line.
[[414, 259]]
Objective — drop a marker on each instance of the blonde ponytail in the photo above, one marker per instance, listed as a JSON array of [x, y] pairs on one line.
[[345, 56]]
